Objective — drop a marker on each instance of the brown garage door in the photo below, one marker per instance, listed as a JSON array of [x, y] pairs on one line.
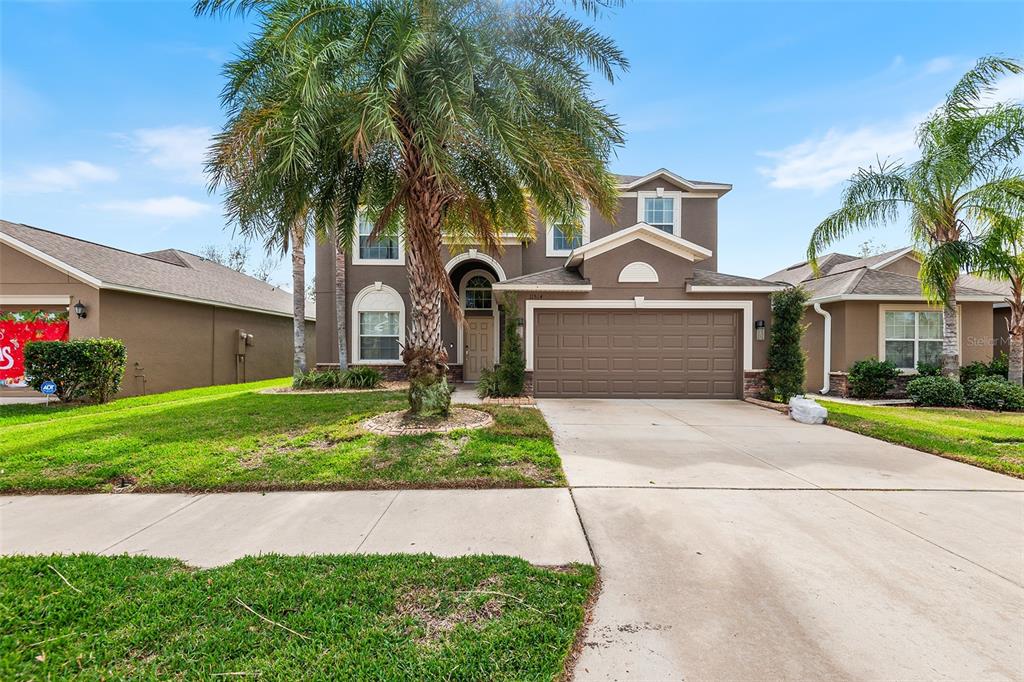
[[637, 354]]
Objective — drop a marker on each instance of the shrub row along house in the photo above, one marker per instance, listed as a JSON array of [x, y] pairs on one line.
[[631, 309], [874, 307], [186, 321]]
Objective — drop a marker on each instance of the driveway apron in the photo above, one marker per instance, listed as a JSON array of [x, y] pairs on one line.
[[736, 544]]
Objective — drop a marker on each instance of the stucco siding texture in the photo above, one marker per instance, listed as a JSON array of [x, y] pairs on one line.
[[176, 344], [22, 275]]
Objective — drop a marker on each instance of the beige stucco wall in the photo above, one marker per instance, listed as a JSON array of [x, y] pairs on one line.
[[22, 275], [856, 328]]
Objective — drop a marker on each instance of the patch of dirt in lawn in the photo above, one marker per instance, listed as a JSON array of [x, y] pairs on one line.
[[423, 604], [399, 423], [70, 470], [527, 469]]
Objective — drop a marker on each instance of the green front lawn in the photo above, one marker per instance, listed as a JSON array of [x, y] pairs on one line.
[[235, 438], [993, 440], [288, 618]]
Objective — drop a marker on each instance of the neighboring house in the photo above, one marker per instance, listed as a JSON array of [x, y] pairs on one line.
[[181, 316], [874, 307], [635, 307]]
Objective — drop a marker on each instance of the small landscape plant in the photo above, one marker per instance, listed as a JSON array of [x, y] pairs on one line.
[[937, 391], [84, 369], [998, 367], [995, 393], [508, 378], [356, 377], [786, 366], [929, 369], [872, 378]]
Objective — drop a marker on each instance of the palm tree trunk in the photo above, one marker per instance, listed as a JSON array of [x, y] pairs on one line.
[[950, 340], [1016, 330], [425, 357], [340, 303], [299, 297]]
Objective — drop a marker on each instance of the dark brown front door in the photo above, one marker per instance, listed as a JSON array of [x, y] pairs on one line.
[[637, 354]]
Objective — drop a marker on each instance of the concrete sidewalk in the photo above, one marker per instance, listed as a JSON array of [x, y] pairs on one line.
[[539, 525]]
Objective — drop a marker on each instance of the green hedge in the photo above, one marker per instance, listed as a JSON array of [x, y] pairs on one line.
[[995, 393], [936, 392], [872, 378], [356, 377], [786, 363], [83, 369]]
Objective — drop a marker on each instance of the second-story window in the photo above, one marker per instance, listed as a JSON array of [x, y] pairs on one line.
[[560, 241], [381, 249], [659, 212]]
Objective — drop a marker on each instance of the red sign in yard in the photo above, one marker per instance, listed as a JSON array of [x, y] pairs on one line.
[[14, 334]]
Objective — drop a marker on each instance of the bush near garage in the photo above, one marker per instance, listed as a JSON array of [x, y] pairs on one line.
[[936, 392], [83, 369], [786, 367], [508, 379], [872, 378], [995, 393]]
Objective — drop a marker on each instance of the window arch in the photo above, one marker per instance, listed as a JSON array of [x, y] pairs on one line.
[[378, 326], [477, 294]]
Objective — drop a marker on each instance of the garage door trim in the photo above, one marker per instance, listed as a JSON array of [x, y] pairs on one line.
[[639, 303]]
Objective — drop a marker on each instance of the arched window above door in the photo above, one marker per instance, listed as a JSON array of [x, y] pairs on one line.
[[478, 294]]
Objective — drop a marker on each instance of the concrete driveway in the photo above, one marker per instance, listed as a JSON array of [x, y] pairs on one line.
[[737, 544]]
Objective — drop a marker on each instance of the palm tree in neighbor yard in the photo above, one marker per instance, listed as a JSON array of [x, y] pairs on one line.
[[968, 172], [465, 118], [1000, 256]]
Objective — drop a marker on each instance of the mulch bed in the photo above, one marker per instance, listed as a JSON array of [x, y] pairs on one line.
[[399, 423]]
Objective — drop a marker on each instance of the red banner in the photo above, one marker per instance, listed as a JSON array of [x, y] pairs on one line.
[[14, 334]]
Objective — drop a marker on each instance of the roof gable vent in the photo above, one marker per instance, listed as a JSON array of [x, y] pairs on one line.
[[638, 271]]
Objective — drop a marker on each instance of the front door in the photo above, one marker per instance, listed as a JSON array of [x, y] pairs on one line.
[[479, 349]]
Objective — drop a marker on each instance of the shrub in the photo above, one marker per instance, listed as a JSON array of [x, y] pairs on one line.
[[995, 393], [511, 372], [1000, 366], [83, 369], [362, 377], [872, 378], [929, 369], [487, 386], [936, 391], [975, 370], [785, 369], [323, 379]]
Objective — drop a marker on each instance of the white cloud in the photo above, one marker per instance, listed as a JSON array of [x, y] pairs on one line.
[[180, 150], [1007, 89], [818, 163], [939, 65], [64, 177], [159, 207]]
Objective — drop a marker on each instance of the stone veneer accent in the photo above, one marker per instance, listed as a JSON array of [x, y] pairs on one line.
[[839, 385], [396, 372], [754, 385]]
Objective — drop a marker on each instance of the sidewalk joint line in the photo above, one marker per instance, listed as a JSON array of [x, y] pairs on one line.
[[160, 520], [374, 526]]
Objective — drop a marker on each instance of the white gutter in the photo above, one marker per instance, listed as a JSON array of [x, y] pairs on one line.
[[827, 355]]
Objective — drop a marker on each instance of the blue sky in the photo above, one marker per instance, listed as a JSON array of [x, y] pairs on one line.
[[107, 108]]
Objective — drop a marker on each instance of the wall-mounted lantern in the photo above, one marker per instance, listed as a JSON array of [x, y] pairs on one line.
[[759, 329], [80, 310]]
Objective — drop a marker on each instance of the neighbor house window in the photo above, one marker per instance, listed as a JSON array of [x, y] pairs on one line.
[[561, 242], [378, 335], [478, 293], [383, 248], [660, 212], [912, 337]]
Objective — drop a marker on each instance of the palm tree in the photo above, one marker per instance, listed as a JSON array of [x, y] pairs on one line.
[[965, 174], [1000, 256], [461, 117]]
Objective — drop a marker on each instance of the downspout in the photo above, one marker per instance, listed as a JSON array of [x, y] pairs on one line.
[[827, 356]]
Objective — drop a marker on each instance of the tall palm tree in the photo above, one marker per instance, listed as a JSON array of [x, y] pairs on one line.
[[459, 117], [966, 172], [1000, 256]]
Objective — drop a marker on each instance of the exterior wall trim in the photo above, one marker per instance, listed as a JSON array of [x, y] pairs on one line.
[[644, 232], [883, 308], [664, 172], [549, 236], [571, 288], [707, 289], [677, 207], [29, 299], [473, 254], [495, 317], [49, 260], [888, 297], [640, 303], [354, 326]]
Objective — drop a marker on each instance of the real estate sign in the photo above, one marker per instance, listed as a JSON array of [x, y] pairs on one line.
[[17, 329]]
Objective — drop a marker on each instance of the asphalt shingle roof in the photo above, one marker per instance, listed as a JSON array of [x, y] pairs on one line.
[[554, 276], [170, 271], [865, 282], [706, 278]]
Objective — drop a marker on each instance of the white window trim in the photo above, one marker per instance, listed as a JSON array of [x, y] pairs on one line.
[[640, 303], [495, 316], [677, 206], [376, 287], [549, 232], [883, 309], [473, 254], [356, 260]]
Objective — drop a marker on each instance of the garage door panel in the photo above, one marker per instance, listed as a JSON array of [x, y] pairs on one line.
[[637, 353]]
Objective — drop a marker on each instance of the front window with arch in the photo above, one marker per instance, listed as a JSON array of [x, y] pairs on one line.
[[378, 325], [478, 293]]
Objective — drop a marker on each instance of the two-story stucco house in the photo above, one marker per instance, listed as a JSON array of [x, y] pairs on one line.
[[633, 307]]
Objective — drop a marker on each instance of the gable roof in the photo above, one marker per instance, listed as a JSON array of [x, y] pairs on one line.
[[708, 281], [170, 273], [628, 182], [555, 279], [867, 284], [834, 263], [643, 232]]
